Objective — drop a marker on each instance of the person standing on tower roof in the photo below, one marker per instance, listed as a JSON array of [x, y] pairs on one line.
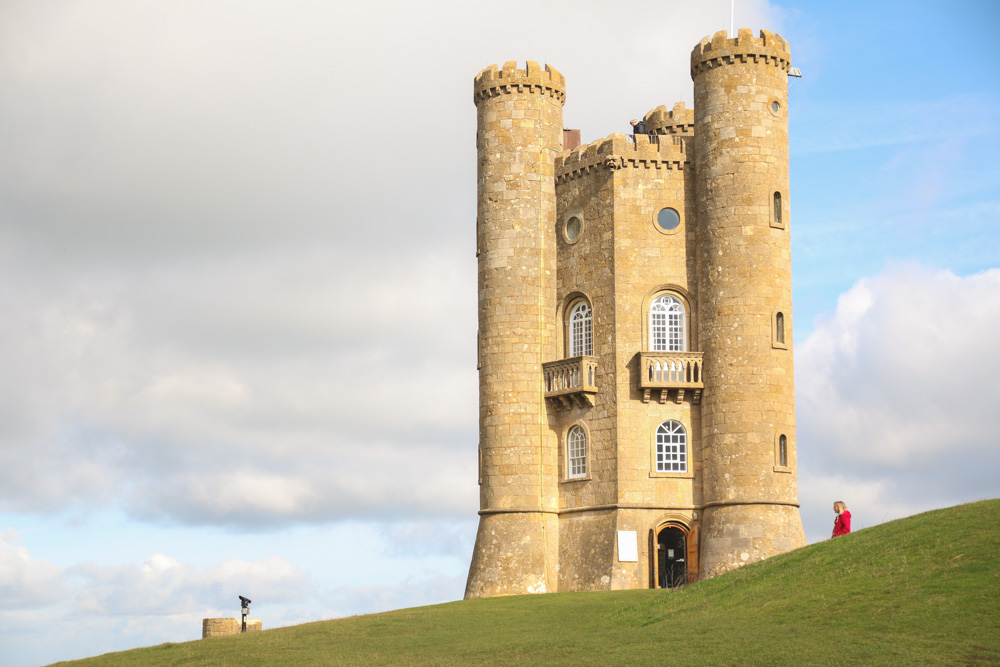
[[842, 524], [638, 127]]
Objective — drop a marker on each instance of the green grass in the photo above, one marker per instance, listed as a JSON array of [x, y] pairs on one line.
[[919, 591]]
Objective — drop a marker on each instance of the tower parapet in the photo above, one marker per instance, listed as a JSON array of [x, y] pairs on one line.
[[720, 49], [618, 152], [678, 120], [494, 81]]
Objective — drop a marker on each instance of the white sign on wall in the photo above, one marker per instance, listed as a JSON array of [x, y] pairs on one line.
[[628, 546]]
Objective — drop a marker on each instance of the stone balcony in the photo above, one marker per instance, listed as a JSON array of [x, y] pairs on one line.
[[678, 372], [570, 382]]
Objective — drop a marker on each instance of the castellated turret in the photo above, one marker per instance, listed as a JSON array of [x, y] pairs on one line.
[[745, 282], [637, 424], [520, 133]]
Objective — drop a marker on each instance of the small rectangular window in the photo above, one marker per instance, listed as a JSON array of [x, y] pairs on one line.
[[779, 327], [777, 212]]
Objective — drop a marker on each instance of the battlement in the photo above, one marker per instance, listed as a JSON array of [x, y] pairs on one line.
[[720, 49], [616, 151], [494, 81], [679, 120]]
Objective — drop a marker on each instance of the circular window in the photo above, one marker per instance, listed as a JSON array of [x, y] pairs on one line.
[[573, 227], [668, 219], [775, 106]]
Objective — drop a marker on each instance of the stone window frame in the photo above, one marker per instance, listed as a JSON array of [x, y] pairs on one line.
[[588, 442], [781, 107], [781, 329], [777, 210], [681, 294], [677, 206], [565, 223], [565, 310], [688, 473], [787, 468]]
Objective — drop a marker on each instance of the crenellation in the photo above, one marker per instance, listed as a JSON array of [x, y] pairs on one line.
[[617, 151], [678, 120], [493, 81]]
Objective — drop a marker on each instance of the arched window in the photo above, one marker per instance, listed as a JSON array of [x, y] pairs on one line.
[[671, 447], [777, 209], [581, 330], [576, 448], [779, 327], [667, 325], [782, 451]]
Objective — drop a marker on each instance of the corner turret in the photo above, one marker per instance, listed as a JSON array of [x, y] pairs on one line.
[[520, 131], [745, 288]]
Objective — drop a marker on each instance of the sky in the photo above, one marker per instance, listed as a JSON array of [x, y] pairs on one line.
[[238, 286]]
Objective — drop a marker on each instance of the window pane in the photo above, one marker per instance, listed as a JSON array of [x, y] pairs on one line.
[[671, 447], [581, 331], [577, 450], [667, 326]]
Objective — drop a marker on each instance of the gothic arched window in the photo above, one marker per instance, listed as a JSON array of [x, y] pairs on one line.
[[581, 330], [671, 447], [667, 325], [576, 450]]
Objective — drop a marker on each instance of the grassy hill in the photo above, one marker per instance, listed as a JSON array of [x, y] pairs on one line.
[[923, 590]]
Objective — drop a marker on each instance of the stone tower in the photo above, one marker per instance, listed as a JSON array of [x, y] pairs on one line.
[[637, 423], [520, 132], [750, 508]]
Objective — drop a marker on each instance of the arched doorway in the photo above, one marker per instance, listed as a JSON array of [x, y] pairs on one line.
[[671, 557], [676, 547]]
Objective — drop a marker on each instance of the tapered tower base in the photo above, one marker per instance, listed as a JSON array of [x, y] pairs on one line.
[[515, 554], [734, 535]]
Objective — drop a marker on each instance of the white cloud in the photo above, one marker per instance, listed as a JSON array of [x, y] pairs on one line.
[[897, 396], [25, 583], [163, 586]]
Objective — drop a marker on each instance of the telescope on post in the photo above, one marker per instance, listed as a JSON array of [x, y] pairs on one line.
[[245, 603]]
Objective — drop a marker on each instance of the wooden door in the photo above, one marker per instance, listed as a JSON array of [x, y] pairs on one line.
[[692, 555]]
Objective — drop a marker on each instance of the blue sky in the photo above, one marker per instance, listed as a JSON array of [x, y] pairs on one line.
[[237, 287]]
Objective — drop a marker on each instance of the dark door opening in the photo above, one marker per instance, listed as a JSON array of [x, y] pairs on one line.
[[671, 551]]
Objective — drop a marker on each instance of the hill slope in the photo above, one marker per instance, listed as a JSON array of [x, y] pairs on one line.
[[921, 590]]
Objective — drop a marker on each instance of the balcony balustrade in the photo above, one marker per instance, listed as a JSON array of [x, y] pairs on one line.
[[570, 382], [679, 372]]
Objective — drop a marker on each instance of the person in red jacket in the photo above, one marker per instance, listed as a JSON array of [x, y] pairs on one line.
[[842, 524]]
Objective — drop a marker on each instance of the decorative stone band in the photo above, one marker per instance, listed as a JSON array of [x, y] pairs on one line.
[[769, 49], [518, 510], [616, 151], [678, 120], [612, 506], [723, 503], [631, 506], [494, 81]]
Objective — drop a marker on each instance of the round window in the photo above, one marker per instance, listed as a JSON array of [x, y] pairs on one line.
[[668, 219], [573, 226], [775, 106]]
